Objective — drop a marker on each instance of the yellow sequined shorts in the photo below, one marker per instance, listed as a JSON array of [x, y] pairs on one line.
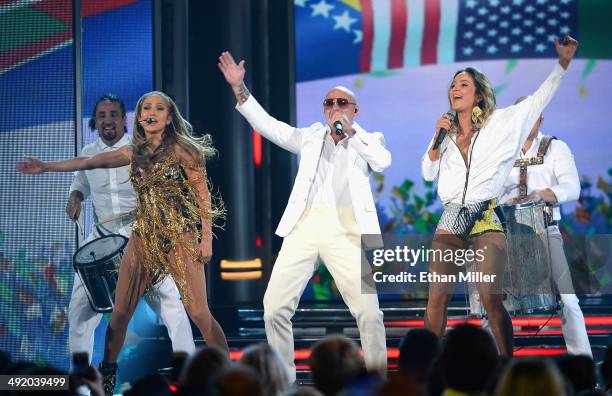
[[471, 220], [489, 222]]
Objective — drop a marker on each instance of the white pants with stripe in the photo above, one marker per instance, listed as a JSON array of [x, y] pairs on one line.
[[333, 235], [572, 319]]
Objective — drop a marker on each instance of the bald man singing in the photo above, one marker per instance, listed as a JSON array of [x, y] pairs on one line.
[[330, 207]]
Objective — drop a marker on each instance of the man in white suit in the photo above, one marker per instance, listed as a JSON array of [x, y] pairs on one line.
[[330, 207]]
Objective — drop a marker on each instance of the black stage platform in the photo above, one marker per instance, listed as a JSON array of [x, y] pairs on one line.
[[536, 334]]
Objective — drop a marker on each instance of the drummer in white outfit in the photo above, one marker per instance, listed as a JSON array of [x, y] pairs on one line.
[[112, 193], [550, 175]]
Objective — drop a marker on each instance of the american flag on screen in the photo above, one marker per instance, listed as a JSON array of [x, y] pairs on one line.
[[339, 37]]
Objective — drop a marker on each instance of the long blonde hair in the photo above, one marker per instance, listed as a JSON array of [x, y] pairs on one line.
[[179, 131], [484, 89]]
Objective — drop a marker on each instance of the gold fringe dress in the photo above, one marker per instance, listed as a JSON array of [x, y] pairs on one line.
[[168, 217]]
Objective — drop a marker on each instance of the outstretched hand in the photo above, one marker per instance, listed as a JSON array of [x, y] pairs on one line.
[[233, 73], [567, 50], [30, 166]]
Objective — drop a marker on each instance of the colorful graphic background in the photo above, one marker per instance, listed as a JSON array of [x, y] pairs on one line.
[[37, 77], [399, 57]]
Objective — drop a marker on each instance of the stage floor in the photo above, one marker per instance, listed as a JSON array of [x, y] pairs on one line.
[[536, 334]]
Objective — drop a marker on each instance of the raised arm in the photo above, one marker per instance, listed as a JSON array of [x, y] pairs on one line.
[[110, 159], [531, 108], [278, 132], [197, 178], [234, 75], [566, 52]]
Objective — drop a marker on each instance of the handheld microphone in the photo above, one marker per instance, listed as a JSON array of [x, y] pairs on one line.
[[442, 134], [338, 128], [149, 120]]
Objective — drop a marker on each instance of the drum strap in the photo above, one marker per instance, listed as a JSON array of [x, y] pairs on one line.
[[523, 163]]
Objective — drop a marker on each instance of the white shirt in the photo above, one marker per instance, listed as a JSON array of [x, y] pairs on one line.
[[110, 189], [330, 186], [558, 172], [495, 149]]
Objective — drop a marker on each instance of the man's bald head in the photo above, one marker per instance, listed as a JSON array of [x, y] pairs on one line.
[[343, 89], [340, 103]]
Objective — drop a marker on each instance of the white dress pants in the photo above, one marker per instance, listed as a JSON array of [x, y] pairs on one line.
[[333, 235], [572, 319]]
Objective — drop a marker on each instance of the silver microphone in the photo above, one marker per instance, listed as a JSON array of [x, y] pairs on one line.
[[338, 128], [149, 120]]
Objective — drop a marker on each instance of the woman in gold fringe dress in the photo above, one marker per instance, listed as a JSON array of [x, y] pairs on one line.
[[172, 233]]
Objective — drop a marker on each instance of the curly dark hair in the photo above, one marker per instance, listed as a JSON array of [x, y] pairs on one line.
[[109, 97]]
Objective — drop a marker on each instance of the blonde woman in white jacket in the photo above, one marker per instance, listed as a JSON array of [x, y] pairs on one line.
[[472, 163]]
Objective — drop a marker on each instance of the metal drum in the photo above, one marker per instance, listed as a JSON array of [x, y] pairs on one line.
[[97, 264], [528, 280]]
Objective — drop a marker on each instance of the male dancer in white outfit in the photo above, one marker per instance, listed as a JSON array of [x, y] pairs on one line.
[[545, 171], [112, 193], [330, 207]]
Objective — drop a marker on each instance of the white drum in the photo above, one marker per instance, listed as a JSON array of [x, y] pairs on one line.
[[528, 280]]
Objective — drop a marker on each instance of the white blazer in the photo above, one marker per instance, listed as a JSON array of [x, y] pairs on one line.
[[366, 152]]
